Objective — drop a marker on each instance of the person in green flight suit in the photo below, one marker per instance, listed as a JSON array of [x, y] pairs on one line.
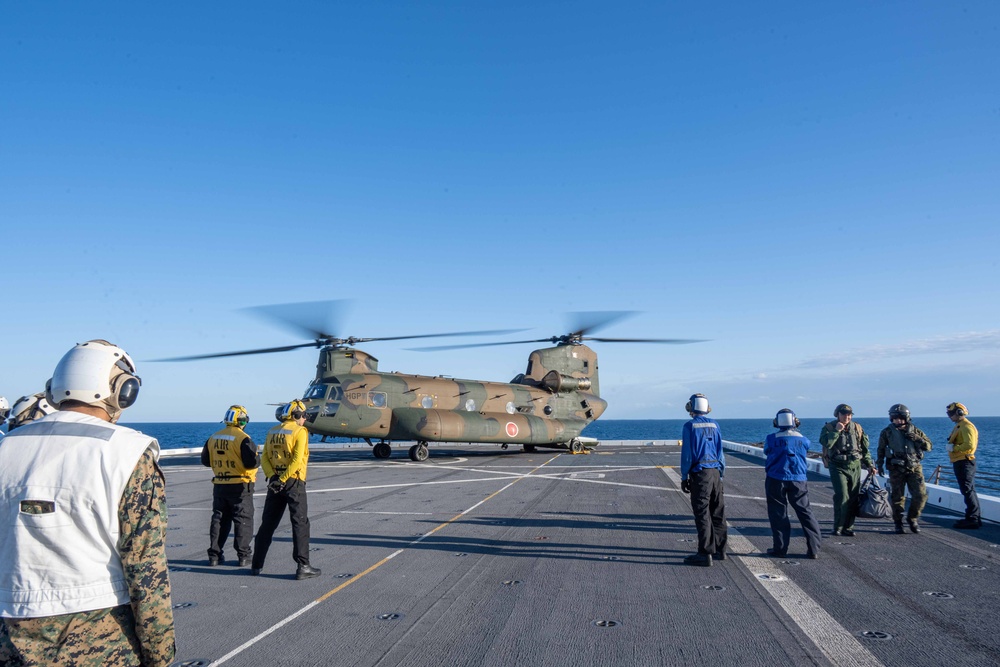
[[845, 452]]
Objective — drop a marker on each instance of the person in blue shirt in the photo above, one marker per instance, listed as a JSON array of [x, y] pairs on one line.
[[703, 466], [785, 485]]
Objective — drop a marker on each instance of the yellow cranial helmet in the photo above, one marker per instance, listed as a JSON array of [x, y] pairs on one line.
[[957, 408], [294, 410], [237, 415]]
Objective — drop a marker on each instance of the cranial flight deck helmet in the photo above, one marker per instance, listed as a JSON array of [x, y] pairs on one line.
[[294, 410], [786, 419], [957, 408], [237, 415], [28, 409], [96, 373], [899, 410], [4, 408], [698, 404]]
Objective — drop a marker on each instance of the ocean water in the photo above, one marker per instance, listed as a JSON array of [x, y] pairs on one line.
[[180, 435]]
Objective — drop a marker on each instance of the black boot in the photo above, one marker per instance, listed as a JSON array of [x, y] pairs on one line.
[[307, 572], [914, 527], [899, 528], [704, 560]]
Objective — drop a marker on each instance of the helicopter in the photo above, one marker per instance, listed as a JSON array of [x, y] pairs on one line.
[[548, 405]]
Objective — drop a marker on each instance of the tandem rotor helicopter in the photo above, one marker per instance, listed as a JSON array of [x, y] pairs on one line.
[[546, 406]]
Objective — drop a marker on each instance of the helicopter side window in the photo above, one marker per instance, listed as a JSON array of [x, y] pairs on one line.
[[315, 392], [376, 399]]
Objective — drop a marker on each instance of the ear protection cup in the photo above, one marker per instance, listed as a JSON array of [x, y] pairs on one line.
[[125, 390]]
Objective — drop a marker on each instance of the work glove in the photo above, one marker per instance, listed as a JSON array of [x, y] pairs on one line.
[[686, 485], [275, 485]]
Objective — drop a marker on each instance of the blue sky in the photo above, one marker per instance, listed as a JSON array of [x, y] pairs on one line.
[[811, 187]]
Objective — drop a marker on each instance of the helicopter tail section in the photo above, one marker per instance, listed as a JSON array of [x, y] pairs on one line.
[[564, 368]]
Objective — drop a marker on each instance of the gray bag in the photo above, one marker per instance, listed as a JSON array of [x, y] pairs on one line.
[[873, 500]]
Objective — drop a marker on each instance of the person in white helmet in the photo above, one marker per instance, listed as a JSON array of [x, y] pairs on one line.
[[83, 568], [703, 465], [4, 409], [28, 409]]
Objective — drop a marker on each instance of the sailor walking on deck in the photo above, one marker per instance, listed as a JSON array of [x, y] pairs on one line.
[[901, 447], [703, 466], [785, 484], [845, 451], [232, 456], [286, 456], [962, 444]]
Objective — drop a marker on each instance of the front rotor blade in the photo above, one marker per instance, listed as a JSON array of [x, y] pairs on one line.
[[265, 350], [315, 319], [669, 341]]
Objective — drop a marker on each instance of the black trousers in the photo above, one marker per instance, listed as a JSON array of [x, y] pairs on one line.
[[708, 503], [780, 494], [965, 473], [231, 503], [293, 496]]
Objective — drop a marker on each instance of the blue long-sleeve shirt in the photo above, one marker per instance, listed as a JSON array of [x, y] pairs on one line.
[[701, 446], [786, 453]]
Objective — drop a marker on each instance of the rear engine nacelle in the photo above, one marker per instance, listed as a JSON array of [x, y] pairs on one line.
[[559, 383]]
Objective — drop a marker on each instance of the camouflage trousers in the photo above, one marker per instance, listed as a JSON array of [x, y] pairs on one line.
[[100, 638], [901, 479]]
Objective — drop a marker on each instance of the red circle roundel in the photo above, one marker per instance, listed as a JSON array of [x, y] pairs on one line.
[[511, 429]]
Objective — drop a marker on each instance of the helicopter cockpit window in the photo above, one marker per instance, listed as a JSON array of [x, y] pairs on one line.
[[376, 399], [317, 391]]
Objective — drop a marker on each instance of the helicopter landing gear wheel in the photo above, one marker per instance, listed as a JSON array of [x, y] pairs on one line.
[[575, 446], [529, 448], [382, 450], [418, 452]]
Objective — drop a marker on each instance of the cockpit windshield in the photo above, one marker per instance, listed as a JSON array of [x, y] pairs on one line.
[[317, 391]]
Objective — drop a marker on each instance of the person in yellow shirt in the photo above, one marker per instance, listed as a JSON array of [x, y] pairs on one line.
[[962, 443], [286, 456], [232, 456]]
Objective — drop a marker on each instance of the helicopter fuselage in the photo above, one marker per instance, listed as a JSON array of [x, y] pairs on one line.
[[546, 406]]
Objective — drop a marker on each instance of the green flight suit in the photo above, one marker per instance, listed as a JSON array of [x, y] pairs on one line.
[[845, 452]]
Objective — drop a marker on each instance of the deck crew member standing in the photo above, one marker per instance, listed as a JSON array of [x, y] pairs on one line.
[[787, 452], [83, 568], [232, 456], [703, 466], [4, 409], [27, 409], [845, 451], [901, 447], [286, 455], [962, 443]]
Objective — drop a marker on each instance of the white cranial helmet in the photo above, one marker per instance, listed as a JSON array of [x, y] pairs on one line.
[[95, 373], [28, 409]]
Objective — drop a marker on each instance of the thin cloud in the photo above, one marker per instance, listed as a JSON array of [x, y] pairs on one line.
[[972, 341]]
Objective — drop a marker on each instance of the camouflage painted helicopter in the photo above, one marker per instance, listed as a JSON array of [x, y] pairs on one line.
[[546, 406]]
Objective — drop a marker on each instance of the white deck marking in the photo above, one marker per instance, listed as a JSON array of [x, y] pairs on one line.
[[288, 619], [837, 644]]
